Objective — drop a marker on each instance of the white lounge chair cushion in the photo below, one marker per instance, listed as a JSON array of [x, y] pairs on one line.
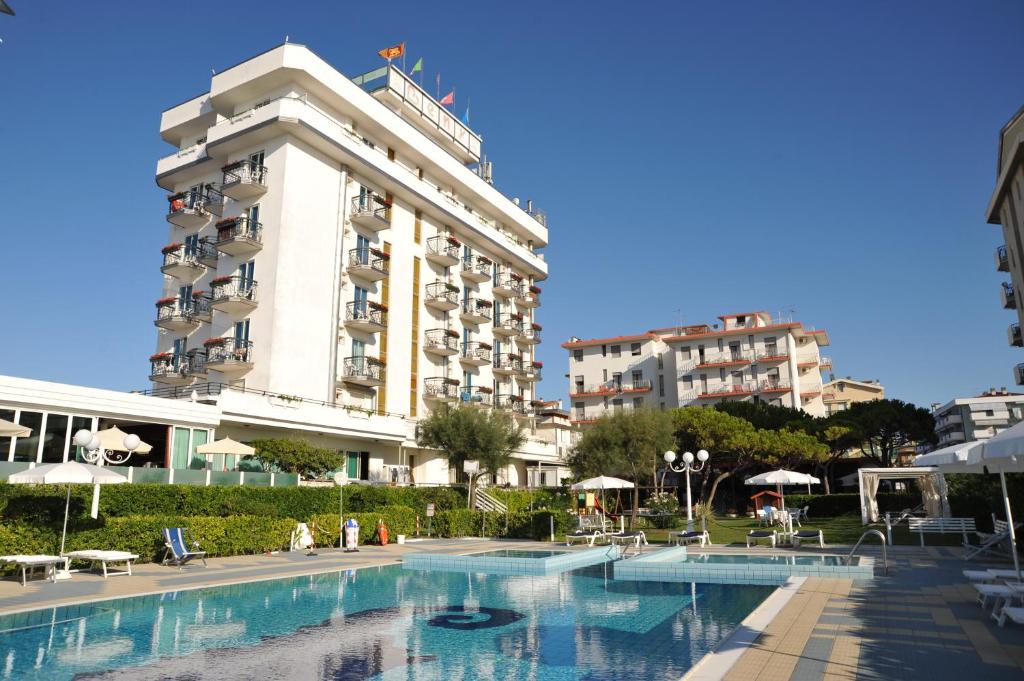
[[109, 556], [33, 559], [1014, 613]]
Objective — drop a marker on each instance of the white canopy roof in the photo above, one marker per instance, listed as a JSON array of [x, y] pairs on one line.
[[603, 482], [955, 454], [1006, 450], [70, 472]]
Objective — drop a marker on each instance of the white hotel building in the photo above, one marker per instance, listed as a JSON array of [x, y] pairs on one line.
[[744, 357], [338, 262]]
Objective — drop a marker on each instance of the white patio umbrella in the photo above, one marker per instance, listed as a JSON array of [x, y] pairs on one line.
[[112, 440], [779, 478], [8, 429], [603, 482], [225, 446], [68, 473]]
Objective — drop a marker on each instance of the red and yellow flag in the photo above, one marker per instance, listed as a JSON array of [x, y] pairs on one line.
[[393, 52]]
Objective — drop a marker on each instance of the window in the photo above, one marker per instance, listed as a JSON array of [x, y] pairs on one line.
[[616, 351], [577, 355], [604, 350], [684, 353], [617, 405], [634, 349], [580, 412], [617, 380], [688, 382], [638, 378], [579, 383], [661, 362], [662, 406], [604, 375], [242, 331], [358, 349], [638, 402], [661, 385]]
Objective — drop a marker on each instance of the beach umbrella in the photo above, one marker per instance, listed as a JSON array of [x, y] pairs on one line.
[[68, 473], [779, 478], [603, 482], [112, 440], [226, 446], [8, 429]]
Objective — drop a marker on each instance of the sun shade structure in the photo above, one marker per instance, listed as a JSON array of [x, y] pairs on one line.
[[68, 473], [225, 446], [603, 482], [8, 429], [929, 478], [112, 440], [779, 478]]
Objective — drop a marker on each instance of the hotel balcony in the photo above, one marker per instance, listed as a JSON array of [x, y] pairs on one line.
[[190, 209], [531, 371], [477, 396], [367, 316], [825, 363], [235, 295], [1002, 260], [239, 236], [371, 211], [443, 250], [444, 342], [720, 392], [1013, 332], [581, 390], [367, 372], [771, 355], [642, 385], [476, 268], [529, 334], [582, 420], [175, 315], [948, 420], [171, 369], [530, 297], [508, 285], [1009, 298], [805, 364], [244, 180], [188, 263], [809, 393], [770, 387], [440, 389], [370, 264], [442, 296], [508, 325], [1018, 374], [506, 365], [513, 403], [475, 354], [724, 360], [228, 355], [476, 311]]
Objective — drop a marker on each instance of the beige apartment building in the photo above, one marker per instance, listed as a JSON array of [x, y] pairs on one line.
[[1006, 208], [838, 394], [743, 357]]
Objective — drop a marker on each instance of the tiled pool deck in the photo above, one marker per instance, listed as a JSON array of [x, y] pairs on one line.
[[919, 622]]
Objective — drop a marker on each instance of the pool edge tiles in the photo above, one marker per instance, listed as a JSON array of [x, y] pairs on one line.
[[494, 565], [668, 565]]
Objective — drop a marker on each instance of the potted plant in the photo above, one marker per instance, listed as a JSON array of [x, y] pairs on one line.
[[219, 281], [534, 289], [169, 300], [453, 241], [161, 357], [536, 327], [170, 248], [215, 340]]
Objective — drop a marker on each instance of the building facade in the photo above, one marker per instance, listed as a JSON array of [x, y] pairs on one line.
[[839, 393], [1006, 208], [743, 357], [966, 419]]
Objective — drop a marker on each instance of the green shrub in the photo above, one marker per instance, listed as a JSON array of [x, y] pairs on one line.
[[526, 500], [831, 505]]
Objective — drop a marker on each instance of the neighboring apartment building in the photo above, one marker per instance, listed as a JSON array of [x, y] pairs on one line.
[[339, 263], [744, 357], [838, 394], [1006, 208], [965, 419]]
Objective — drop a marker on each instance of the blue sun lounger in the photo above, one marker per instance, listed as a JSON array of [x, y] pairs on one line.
[[178, 540]]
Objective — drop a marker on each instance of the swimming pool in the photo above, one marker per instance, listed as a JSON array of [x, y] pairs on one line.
[[386, 623], [779, 559], [517, 553]]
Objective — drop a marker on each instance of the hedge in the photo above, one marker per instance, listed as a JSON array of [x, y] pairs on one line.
[[44, 504], [830, 505], [525, 500]]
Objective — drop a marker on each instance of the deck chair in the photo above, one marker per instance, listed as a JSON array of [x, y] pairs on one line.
[[756, 535], [815, 536], [993, 542], [181, 547], [582, 534]]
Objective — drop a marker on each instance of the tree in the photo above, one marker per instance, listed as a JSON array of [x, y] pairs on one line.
[[888, 425], [295, 456], [840, 438], [464, 433], [628, 444], [766, 416]]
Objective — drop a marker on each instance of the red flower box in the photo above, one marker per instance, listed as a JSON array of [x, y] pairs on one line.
[[170, 248], [167, 301], [216, 340], [160, 356], [227, 221], [232, 166], [453, 333], [220, 280], [377, 306], [484, 303], [516, 277], [453, 241], [198, 294], [380, 254], [484, 346], [535, 290], [536, 327], [538, 365], [482, 389], [518, 316]]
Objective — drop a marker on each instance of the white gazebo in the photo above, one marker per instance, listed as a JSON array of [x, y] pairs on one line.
[[929, 479]]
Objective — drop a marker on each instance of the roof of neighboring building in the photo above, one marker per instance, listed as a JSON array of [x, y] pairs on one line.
[[870, 385], [581, 343], [681, 332], [983, 399]]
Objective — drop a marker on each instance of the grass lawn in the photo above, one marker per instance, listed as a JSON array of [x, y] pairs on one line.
[[844, 529]]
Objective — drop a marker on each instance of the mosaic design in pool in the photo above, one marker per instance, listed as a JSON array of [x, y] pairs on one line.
[[386, 623]]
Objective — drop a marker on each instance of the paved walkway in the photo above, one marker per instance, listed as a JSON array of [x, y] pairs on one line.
[[920, 622]]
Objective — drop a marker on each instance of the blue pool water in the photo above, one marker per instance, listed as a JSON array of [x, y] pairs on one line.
[[517, 553], [386, 623], [746, 559]]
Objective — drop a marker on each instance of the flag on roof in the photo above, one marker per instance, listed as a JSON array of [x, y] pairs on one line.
[[448, 99], [417, 67], [393, 52]]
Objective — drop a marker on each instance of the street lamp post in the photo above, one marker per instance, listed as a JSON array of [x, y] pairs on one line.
[[686, 469], [95, 453]]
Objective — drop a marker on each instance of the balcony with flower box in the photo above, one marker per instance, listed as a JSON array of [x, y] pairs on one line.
[[193, 208], [580, 390], [234, 295], [582, 420], [825, 363], [530, 297], [239, 235], [440, 389], [195, 363], [187, 263], [529, 334], [169, 369], [1002, 260], [476, 310], [508, 285], [443, 250], [442, 296], [476, 396], [531, 371], [770, 387], [367, 372], [443, 342], [509, 324], [507, 364], [513, 403], [370, 264], [366, 315], [1009, 298], [726, 359], [771, 355], [640, 385], [244, 179], [476, 354], [810, 393], [371, 211], [476, 269], [723, 391], [232, 356]]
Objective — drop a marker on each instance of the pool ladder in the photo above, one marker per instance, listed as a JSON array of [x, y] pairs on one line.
[[878, 533]]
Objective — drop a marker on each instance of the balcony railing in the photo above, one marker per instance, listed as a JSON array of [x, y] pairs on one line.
[[443, 250], [1014, 335], [477, 353], [192, 208], [186, 260], [531, 371], [530, 333], [641, 385], [477, 395], [725, 359], [508, 324], [443, 295], [1002, 260], [771, 354], [529, 297], [233, 289], [476, 268], [366, 313], [728, 390], [243, 179], [227, 350], [441, 341], [364, 369], [770, 386], [513, 403], [177, 315], [507, 363], [508, 284], [370, 261], [1009, 296], [441, 389], [371, 211], [477, 310], [239, 235]]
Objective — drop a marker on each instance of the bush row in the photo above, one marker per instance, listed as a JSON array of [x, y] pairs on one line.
[[526, 500], [831, 505], [45, 503]]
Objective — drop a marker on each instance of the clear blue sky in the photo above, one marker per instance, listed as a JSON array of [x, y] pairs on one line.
[[710, 157]]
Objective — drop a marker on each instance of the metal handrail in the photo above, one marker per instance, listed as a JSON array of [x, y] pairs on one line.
[[885, 560]]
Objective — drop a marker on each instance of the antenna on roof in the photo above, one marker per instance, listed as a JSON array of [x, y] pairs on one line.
[[286, 39], [213, 72], [679, 321]]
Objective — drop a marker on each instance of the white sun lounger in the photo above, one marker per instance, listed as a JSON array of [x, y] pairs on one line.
[[755, 535], [1013, 613], [994, 591], [28, 563], [589, 536], [105, 560], [683, 538]]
